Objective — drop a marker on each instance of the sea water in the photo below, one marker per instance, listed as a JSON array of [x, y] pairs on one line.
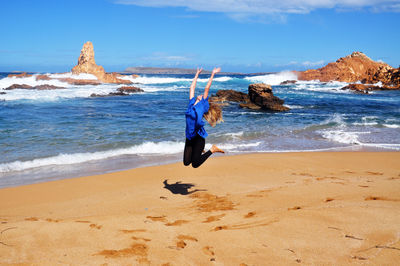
[[54, 134]]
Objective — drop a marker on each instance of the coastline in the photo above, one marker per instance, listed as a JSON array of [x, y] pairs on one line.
[[286, 208]]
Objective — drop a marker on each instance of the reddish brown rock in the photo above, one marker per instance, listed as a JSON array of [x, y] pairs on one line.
[[19, 86], [47, 87], [365, 88], [287, 82], [22, 75], [261, 94], [129, 89], [230, 95], [80, 81], [352, 68], [43, 77], [87, 64], [260, 97], [28, 87]]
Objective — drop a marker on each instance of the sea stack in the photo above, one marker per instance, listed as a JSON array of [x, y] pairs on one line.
[[87, 64]]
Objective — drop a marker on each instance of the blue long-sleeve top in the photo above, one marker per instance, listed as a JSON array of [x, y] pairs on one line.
[[194, 115]]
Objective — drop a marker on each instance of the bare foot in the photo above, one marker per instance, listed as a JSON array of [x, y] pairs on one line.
[[215, 149]]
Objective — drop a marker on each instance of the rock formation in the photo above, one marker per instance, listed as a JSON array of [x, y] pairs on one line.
[[22, 75], [259, 97], [129, 89], [29, 87], [353, 68], [365, 88], [87, 64]]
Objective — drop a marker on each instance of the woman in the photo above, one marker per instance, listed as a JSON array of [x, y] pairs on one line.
[[198, 108]]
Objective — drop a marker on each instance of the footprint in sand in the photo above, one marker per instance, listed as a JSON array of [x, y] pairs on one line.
[[161, 218], [177, 223], [136, 249], [208, 251], [294, 208], [374, 173], [187, 237], [213, 218], [52, 220], [126, 231], [33, 219], [329, 199], [250, 214], [379, 198], [95, 226], [206, 202]]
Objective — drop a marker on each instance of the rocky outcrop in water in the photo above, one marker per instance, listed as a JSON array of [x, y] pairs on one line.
[[129, 89], [29, 87], [259, 97], [87, 64], [353, 68], [366, 88], [22, 75]]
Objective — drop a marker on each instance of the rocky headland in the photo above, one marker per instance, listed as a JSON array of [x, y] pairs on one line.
[[357, 67], [259, 97]]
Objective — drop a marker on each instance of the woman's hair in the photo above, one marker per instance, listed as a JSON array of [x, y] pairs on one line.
[[214, 114]]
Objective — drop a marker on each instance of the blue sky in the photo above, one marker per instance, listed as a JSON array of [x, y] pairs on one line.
[[243, 35]]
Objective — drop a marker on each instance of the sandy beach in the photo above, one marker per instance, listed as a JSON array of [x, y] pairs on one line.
[[329, 208]]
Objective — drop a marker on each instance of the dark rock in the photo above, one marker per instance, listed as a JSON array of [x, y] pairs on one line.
[[120, 93], [286, 82], [261, 95], [365, 88], [47, 87], [19, 86], [2, 92], [230, 95], [250, 105], [28, 87], [129, 89]]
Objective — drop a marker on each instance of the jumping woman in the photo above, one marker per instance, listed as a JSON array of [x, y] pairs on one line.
[[198, 108]]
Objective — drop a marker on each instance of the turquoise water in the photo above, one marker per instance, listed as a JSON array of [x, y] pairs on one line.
[[47, 135]]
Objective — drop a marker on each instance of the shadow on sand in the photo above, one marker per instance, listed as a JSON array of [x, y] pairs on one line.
[[180, 188]]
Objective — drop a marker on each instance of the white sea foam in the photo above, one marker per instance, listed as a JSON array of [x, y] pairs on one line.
[[333, 86], [293, 106], [147, 148], [53, 95], [274, 79], [73, 76], [342, 136], [391, 126], [31, 81]]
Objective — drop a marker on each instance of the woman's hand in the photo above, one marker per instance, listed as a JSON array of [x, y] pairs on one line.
[[216, 70], [199, 71]]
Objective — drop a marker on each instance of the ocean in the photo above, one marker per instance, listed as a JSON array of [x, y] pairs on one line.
[[54, 134]]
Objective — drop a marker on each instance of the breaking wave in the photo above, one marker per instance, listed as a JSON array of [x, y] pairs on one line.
[[273, 79], [147, 148]]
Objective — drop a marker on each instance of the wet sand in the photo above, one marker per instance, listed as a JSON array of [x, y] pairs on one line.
[[330, 208]]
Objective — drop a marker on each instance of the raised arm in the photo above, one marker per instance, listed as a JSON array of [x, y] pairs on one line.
[[207, 88], [193, 86]]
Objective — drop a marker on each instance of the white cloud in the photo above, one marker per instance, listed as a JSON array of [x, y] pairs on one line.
[[307, 64], [244, 8]]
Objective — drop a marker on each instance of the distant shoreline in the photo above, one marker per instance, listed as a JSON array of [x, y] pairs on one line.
[[180, 71]]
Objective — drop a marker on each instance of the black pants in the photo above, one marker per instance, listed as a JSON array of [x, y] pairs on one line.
[[193, 152]]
